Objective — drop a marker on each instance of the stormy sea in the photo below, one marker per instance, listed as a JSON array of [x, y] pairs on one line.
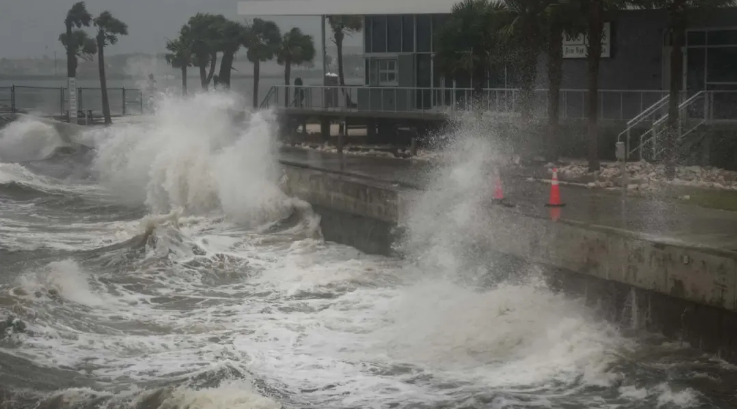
[[161, 264]]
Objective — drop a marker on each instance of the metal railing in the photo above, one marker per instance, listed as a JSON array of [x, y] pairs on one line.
[[49, 101], [699, 109], [614, 105]]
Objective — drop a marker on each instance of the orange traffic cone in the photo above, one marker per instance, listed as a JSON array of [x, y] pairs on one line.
[[555, 192], [498, 191]]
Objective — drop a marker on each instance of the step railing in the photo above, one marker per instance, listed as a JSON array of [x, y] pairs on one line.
[[271, 98], [692, 113], [652, 113]]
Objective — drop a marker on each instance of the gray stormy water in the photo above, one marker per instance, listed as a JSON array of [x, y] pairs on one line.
[[159, 265]]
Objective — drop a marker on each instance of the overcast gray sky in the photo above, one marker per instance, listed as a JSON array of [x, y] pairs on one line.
[[30, 28]]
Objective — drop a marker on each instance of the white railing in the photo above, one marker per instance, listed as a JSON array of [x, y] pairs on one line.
[[692, 113], [647, 115], [614, 105]]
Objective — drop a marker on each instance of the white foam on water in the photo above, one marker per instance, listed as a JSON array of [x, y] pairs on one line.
[[323, 324], [198, 155], [64, 279], [28, 139]]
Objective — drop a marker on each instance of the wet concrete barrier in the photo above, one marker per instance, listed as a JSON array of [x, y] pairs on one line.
[[688, 293]]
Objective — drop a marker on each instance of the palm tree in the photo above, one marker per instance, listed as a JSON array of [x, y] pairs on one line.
[[562, 16], [342, 25], [205, 32], [77, 16], [296, 49], [232, 36], [108, 30], [180, 55], [471, 41], [262, 40], [79, 38], [680, 12], [525, 29], [594, 12]]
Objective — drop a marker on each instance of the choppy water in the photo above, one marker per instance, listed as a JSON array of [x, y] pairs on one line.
[[164, 268]]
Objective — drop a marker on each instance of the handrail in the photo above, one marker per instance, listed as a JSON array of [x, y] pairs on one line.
[[656, 130], [266, 99]]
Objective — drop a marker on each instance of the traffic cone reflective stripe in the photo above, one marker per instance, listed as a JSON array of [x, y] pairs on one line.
[[555, 192]]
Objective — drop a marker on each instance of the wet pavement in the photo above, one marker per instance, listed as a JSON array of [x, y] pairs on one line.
[[660, 220]]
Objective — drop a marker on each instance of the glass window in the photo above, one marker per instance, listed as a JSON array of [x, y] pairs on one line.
[[437, 22], [696, 63], [722, 37], [394, 33], [720, 64], [388, 72], [408, 33], [367, 34], [696, 38], [424, 33], [378, 34], [384, 72]]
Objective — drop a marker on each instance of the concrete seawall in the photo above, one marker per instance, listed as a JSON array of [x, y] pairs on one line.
[[682, 291]]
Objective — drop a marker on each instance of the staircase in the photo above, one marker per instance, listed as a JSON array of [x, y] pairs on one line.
[[693, 113]]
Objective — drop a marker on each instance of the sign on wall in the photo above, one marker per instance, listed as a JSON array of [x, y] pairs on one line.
[[72, 97], [575, 46]]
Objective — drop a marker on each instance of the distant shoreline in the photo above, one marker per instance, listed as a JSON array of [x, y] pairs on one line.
[[32, 77]]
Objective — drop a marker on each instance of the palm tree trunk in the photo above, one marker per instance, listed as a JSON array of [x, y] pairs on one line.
[[287, 75], [226, 65], [71, 57], [203, 75], [339, 45], [256, 70], [595, 28], [213, 61], [184, 80], [529, 68], [678, 29], [103, 80], [555, 78]]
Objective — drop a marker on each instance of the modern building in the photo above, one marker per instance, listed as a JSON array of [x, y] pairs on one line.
[[399, 48]]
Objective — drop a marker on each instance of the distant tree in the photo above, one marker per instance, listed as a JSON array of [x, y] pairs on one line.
[[296, 49], [232, 36], [263, 40], [180, 54], [108, 30], [85, 47], [205, 31], [471, 42], [680, 13], [342, 26], [78, 17]]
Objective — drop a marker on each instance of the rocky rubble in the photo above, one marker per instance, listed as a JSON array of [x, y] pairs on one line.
[[647, 176]]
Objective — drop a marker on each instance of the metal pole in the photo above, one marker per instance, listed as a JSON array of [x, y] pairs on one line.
[[61, 101], [140, 92], [12, 98], [123, 101], [324, 50]]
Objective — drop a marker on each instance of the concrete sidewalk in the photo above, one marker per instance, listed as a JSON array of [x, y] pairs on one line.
[[659, 220]]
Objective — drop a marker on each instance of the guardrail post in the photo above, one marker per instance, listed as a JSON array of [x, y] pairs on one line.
[[12, 99], [123, 101]]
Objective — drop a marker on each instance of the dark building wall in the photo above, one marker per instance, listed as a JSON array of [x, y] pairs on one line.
[[637, 51], [636, 56]]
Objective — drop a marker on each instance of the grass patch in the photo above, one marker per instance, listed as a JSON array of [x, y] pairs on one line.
[[710, 198]]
